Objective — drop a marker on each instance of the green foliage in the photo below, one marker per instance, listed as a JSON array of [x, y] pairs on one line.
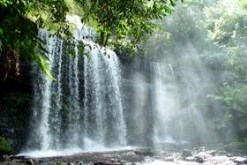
[[228, 31], [4, 2], [16, 107], [179, 30], [18, 31], [5, 147], [212, 41], [119, 21], [123, 24]]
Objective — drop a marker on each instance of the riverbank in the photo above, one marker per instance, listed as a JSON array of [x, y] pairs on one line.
[[133, 157]]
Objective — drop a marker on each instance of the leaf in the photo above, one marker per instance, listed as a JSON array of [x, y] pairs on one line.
[[45, 67], [1, 32], [172, 2]]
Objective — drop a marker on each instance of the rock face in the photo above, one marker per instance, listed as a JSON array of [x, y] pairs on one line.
[[15, 103]]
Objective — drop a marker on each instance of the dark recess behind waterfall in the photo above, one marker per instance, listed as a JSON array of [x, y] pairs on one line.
[[15, 104]]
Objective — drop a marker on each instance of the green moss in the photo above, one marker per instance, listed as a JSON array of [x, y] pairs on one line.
[[5, 147]]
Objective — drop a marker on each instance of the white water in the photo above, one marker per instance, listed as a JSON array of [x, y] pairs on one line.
[[64, 117], [87, 108], [164, 103], [103, 104]]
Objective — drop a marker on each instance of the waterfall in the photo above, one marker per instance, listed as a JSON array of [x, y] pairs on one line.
[[103, 104], [95, 103], [154, 105], [163, 102], [82, 108], [45, 99]]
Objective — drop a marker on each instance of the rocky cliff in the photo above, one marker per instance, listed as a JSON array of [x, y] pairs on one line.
[[15, 105]]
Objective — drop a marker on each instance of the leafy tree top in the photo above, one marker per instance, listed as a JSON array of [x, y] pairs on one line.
[[122, 24]]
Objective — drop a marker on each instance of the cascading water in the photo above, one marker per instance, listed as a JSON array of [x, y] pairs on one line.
[[103, 104], [88, 107], [163, 104], [44, 100], [163, 101], [82, 108], [153, 103]]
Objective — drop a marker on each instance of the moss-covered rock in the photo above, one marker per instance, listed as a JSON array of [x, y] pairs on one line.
[[5, 147], [15, 106], [14, 117]]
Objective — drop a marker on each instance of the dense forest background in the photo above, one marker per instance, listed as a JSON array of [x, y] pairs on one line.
[[211, 37], [207, 39], [208, 35]]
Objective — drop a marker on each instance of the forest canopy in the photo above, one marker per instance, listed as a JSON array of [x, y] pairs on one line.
[[121, 24]]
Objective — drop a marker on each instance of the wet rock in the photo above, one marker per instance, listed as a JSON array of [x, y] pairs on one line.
[[79, 163], [5, 158], [239, 160], [41, 162], [110, 162], [199, 159], [145, 152], [30, 162], [18, 157], [186, 153]]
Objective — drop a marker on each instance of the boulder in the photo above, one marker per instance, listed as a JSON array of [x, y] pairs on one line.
[[199, 159], [5, 157], [30, 162], [79, 163], [146, 152]]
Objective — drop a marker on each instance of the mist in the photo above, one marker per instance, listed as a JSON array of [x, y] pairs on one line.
[[194, 63]]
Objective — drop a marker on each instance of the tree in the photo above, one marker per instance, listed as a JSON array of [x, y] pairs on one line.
[[227, 30], [19, 21], [119, 23], [124, 23]]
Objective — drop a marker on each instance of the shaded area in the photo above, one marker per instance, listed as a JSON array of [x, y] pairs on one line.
[[15, 105]]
